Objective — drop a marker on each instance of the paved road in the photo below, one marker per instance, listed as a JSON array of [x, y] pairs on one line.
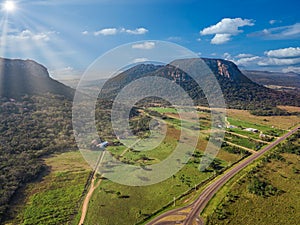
[[198, 205]]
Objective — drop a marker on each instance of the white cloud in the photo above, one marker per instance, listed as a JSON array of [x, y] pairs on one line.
[[278, 62], [106, 31], [65, 73], [246, 61], [138, 31], [280, 33], [243, 55], [225, 29], [174, 38], [29, 35], [227, 56], [140, 60], [85, 32], [114, 31], [220, 39], [146, 45], [242, 59], [295, 69], [284, 53]]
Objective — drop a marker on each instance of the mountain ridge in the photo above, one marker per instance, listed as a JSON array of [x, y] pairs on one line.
[[26, 77], [239, 91]]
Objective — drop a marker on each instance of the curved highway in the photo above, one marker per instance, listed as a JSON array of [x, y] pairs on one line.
[[200, 203]]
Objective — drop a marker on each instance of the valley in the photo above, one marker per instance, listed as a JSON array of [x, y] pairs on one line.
[[58, 179]]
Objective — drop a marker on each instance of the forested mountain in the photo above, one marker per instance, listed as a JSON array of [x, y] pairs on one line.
[[35, 120], [26, 77], [238, 90]]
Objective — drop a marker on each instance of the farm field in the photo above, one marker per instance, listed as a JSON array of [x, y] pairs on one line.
[[60, 192], [110, 199], [279, 122], [57, 196], [269, 191]]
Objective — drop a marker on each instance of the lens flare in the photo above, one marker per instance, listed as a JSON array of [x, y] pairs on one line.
[[9, 6]]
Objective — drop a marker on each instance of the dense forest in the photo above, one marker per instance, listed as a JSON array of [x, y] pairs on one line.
[[30, 128]]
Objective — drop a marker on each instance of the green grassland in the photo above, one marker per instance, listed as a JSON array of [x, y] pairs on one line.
[[267, 194], [264, 128], [57, 197], [118, 204], [164, 110], [245, 142]]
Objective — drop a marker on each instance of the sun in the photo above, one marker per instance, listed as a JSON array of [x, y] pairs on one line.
[[9, 6]]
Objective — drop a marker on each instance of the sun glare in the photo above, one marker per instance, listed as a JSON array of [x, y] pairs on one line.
[[9, 6]]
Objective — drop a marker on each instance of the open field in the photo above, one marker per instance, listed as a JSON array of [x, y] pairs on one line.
[[290, 108], [266, 129], [280, 122], [57, 195], [118, 204], [266, 193], [244, 142]]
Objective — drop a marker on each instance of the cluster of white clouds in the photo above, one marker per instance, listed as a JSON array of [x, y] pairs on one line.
[[279, 33], [30, 35], [281, 57], [225, 29], [284, 53], [288, 57], [145, 45], [115, 31]]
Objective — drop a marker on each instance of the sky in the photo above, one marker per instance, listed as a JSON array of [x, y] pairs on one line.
[[67, 36]]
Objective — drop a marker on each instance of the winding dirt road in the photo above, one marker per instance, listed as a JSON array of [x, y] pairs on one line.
[[93, 187]]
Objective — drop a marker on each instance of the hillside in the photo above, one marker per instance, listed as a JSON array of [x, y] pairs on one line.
[[289, 82], [26, 77], [238, 90]]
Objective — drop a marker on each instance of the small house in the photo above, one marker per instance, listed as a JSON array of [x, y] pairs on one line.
[[252, 130]]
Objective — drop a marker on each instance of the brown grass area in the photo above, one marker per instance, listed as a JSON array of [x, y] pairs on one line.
[[281, 122], [290, 108], [70, 161], [228, 157]]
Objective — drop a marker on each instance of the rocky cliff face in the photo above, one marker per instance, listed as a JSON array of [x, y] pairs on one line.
[[238, 90], [27, 77]]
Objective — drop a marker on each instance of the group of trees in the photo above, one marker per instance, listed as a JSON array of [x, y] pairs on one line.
[[30, 128]]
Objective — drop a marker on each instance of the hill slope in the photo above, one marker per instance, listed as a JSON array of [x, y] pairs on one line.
[[289, 82], [238, 90], [26, 77]]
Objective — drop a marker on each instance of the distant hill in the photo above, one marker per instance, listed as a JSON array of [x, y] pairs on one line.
[[289, 82], [27, 77], [238, 90]]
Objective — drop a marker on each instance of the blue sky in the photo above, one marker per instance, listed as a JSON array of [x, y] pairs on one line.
[[68, 35]]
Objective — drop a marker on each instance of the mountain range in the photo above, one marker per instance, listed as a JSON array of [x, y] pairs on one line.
[[289, 82], [27, 77], [239, 91]]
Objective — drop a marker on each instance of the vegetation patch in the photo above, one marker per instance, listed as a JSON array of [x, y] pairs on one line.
[[270, 191], [58, 196]]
